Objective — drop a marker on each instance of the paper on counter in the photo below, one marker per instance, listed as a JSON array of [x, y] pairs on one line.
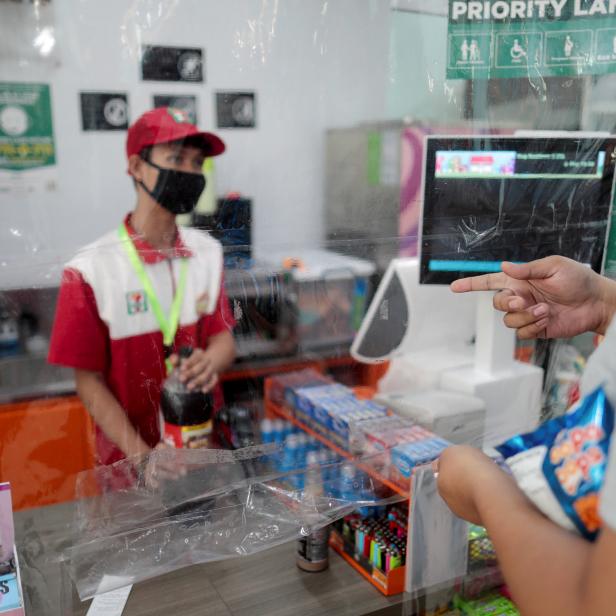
[[110, 603]]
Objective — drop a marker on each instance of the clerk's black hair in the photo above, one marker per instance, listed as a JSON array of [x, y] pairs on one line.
[[145, 154]]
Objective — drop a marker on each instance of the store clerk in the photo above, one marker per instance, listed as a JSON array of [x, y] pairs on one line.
[[129, 300]]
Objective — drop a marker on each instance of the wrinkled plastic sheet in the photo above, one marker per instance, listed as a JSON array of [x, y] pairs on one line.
[[227, 504]]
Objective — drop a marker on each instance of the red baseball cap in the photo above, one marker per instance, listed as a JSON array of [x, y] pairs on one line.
[[166, 124]]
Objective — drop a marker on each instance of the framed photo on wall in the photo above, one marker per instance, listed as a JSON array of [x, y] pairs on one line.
[[236, 110], [160, 63], [104, 110]]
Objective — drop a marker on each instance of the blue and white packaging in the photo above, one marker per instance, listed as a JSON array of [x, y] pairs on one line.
[[307, 398], [349, 485], [267, 431], [288, 429], [302, 450], [324, 460], [288, 459], [342, 424], [407, 456], [561, 465], [279, 431]]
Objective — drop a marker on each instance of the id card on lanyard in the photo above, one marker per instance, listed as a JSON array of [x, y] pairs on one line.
[[168, 324]]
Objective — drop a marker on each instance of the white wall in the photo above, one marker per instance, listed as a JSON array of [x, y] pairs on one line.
[[313, 64]]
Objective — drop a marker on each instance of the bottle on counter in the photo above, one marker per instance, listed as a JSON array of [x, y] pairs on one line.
[[313, 547], [267, 431], [279, 431], [302, 450], [349, 485], [288, 460]]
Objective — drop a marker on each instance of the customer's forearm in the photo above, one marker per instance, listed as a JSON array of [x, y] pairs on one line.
[[108, 414], [542, 564]]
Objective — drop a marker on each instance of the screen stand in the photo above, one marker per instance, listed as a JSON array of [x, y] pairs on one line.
[[510, 389], [495, 343]]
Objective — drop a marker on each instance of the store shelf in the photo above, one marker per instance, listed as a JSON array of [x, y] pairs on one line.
[[21, 357], [388, 584], [368, 374], [283, 413], [265, 367]]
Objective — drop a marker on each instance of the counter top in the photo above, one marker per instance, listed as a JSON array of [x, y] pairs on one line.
[[267, 583]]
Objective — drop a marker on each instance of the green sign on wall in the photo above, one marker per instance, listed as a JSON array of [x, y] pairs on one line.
[[515, 38], [26, 132]]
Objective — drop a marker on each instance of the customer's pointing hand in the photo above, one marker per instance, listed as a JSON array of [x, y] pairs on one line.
[[553, 297]]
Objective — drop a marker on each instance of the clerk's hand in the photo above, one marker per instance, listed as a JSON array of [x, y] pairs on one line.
[[553, 297], [163, 463], [199, 371], [463, 472]]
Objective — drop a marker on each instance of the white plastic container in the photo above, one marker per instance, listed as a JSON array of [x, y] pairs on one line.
[[330, 292]]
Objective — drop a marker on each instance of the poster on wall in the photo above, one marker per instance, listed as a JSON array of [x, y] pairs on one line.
[[236, 110], [509, 38], [104, 110], [187, 104], [27, 145], [172, 63]]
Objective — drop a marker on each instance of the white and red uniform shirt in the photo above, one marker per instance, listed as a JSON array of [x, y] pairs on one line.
[[104, 322]]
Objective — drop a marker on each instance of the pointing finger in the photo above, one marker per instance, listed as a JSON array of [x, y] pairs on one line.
[[486, 282]]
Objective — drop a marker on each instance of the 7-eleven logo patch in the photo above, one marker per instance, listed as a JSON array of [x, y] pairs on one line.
[[179, 115], [136, 302]]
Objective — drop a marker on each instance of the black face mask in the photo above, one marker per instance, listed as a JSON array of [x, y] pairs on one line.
[[176, 191]]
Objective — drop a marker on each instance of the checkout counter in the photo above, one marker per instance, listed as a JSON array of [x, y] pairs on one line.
[[265, 583]]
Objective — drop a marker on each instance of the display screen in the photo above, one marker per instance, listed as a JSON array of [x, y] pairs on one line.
[[494, 199]]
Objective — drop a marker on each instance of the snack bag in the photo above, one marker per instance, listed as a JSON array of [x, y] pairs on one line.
[[561, 465], [493, 604]]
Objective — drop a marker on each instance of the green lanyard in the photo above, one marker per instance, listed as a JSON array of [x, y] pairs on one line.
[[168, 325]]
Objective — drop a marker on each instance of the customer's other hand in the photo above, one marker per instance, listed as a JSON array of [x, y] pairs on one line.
[[463, 472]]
